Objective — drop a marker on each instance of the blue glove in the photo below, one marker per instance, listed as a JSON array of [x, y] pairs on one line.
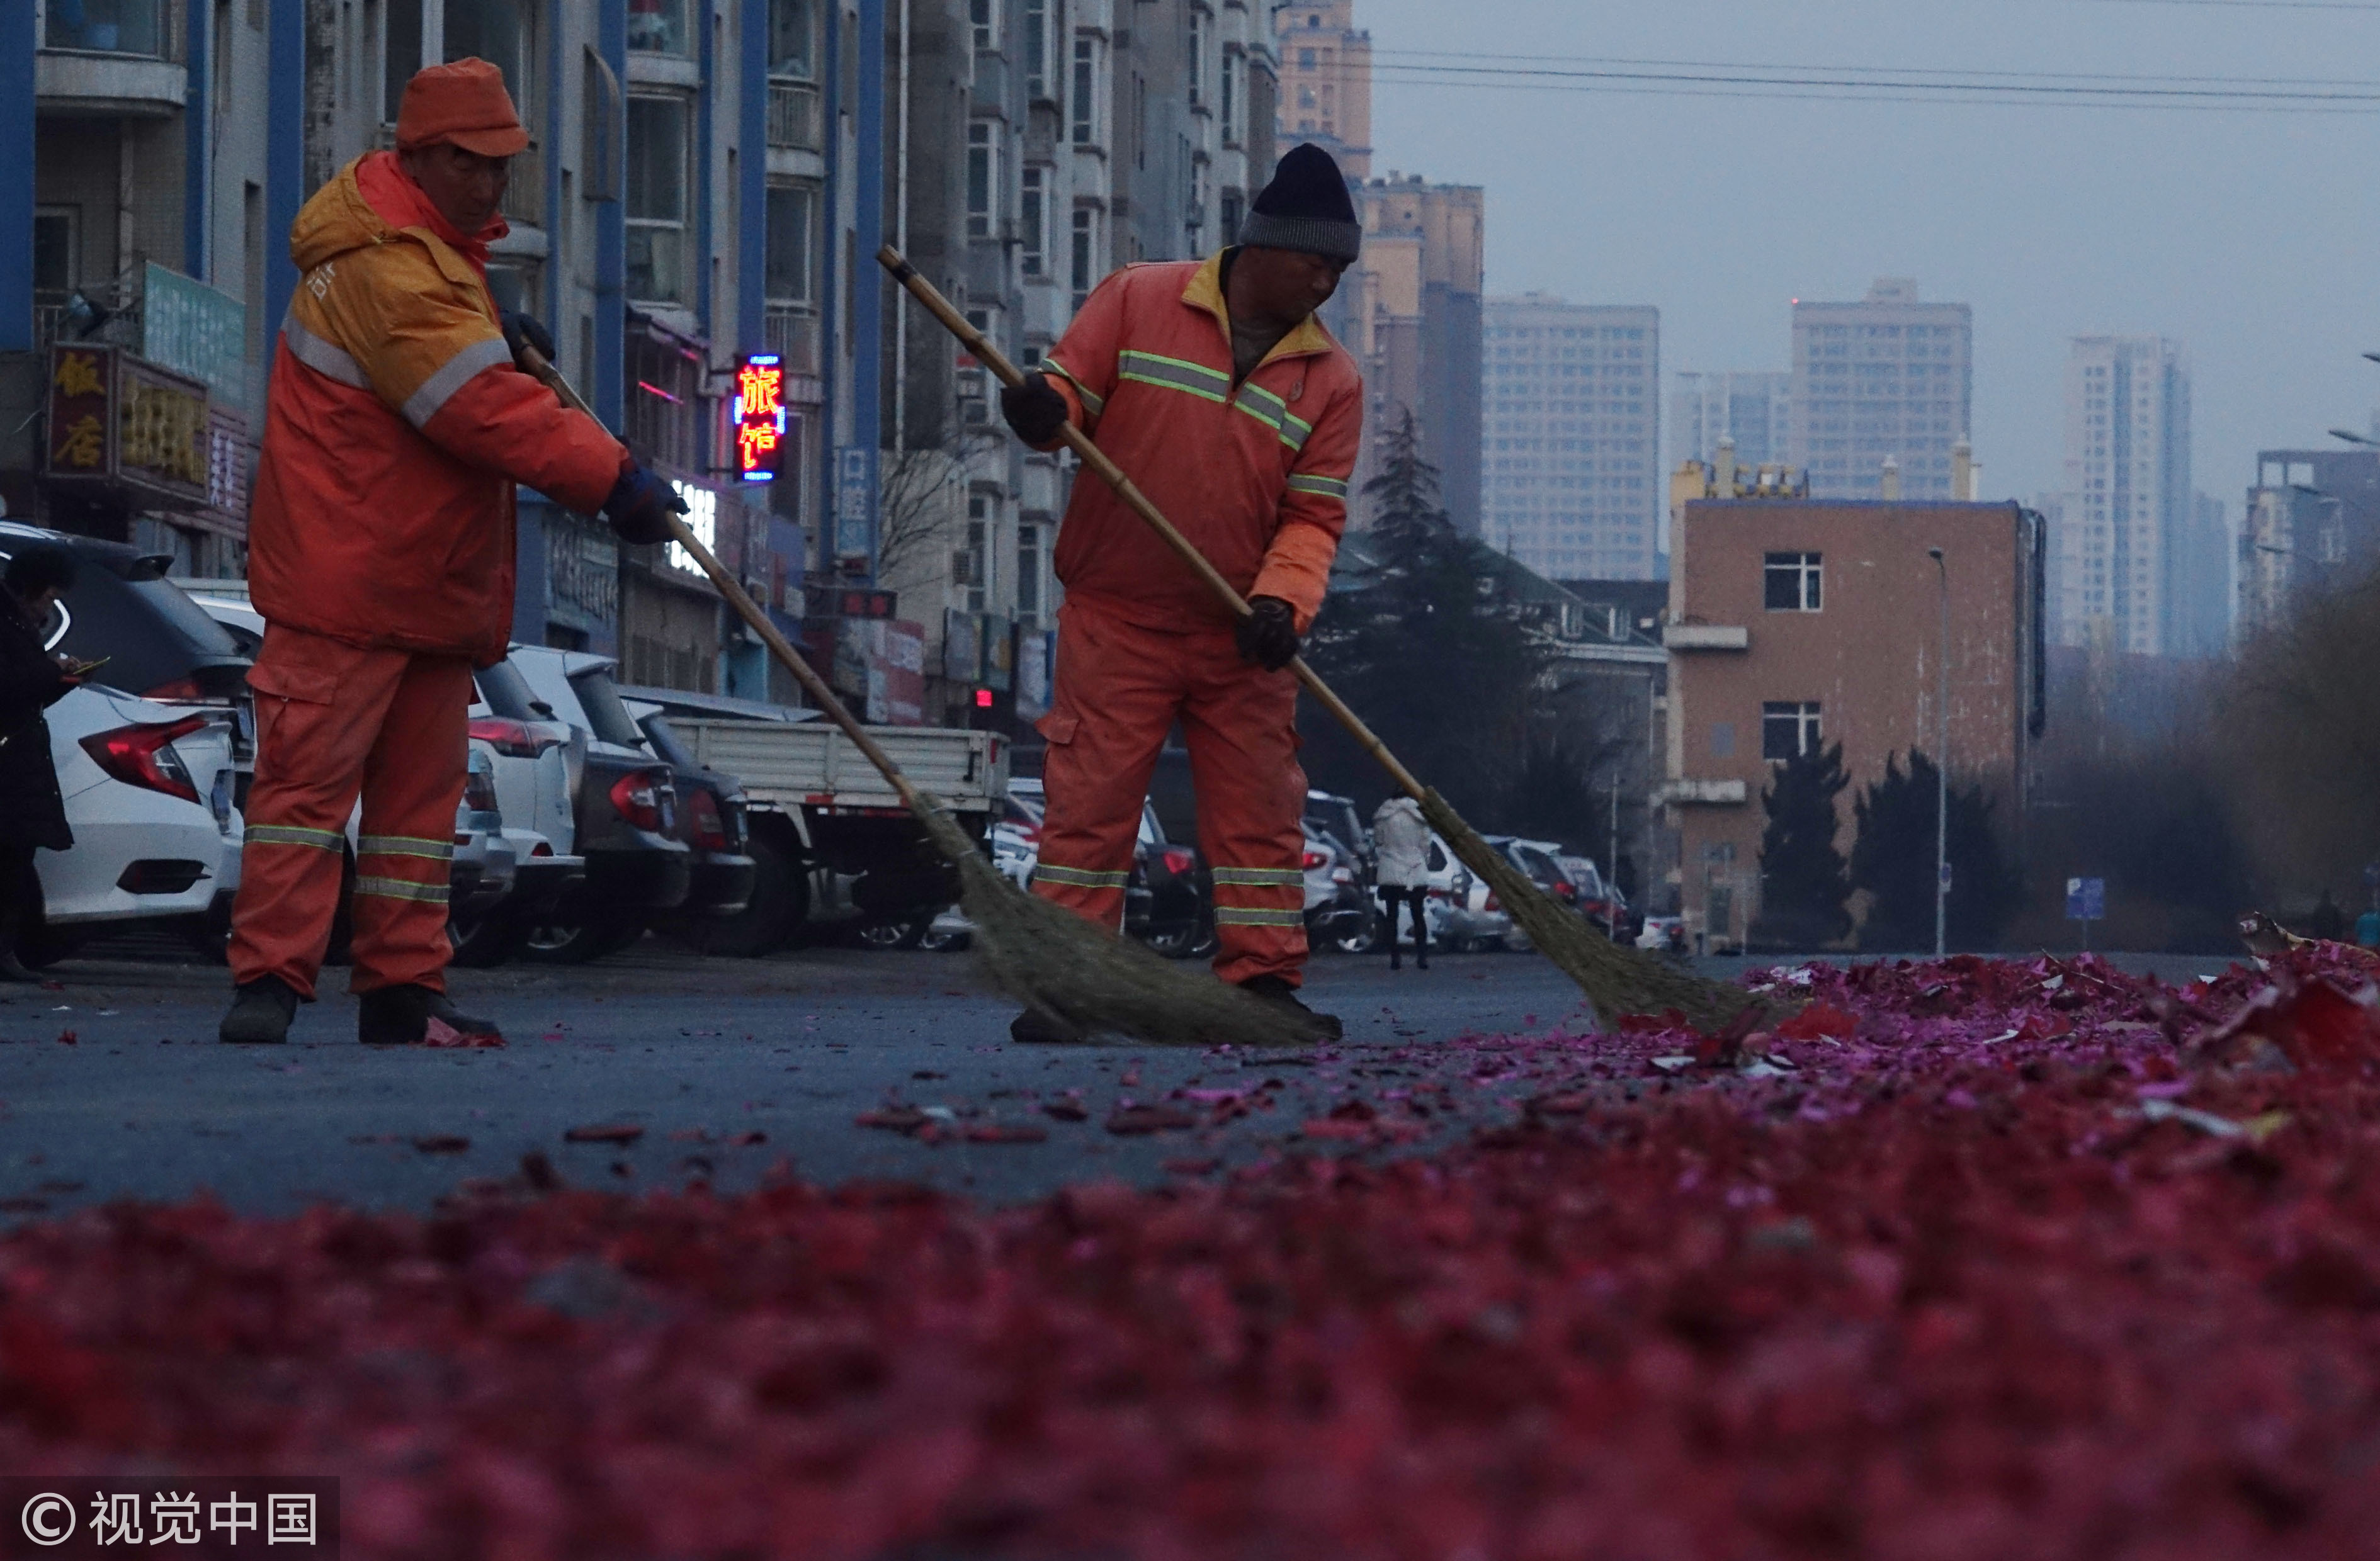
[[639, 507]]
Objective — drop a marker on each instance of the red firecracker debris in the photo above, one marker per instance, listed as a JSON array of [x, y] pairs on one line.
[[2035, 1258]]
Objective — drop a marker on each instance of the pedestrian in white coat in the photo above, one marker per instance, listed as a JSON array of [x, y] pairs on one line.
[[1402, 840]]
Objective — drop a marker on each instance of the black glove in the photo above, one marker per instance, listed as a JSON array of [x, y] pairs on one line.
[[1267, 635], [526, 330], [639, 507], [1033, 409]]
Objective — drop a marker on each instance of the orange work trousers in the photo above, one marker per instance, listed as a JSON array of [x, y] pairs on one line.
[[1120, 689], [333, 723]]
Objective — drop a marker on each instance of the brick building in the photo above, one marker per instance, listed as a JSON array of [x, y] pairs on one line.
[[1796, 623]]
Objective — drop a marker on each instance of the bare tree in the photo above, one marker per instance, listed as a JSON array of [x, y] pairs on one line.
[[921, 504]]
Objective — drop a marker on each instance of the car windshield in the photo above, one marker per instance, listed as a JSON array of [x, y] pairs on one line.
[[153, 637], [606, 717], [509, 695]]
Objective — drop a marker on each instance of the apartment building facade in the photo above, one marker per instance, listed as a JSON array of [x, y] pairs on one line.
[[1797, 623], [2127, 569], [1572, 484], [1325, 81], [2311, 516], [1752, 407], [1889, 379]]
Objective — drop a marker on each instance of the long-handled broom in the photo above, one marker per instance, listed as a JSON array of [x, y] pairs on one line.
[[1617, 980], [1043, 956]]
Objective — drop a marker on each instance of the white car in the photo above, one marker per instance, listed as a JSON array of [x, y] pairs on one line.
[[1462, 911], [148, 750], [148, 788]]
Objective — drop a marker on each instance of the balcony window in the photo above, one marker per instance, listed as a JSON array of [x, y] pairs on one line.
[[792, 38], [1197, 61], [983, 180], [1028, 573], [107, 27], [1791, 581], [983, 16], [1232, 67], [1789, 731], [1033, 256], [658, 27], [792, 239], [1086, 99], [1037, 80], [1084, 255], [657, 204]]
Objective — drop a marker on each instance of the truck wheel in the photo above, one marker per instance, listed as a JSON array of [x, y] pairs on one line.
[[781, 898]]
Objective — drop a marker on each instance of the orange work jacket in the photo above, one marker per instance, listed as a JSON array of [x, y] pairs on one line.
[[1253, 473], [395, 428]]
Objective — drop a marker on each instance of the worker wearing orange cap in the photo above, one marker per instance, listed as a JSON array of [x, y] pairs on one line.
[[381, 556]]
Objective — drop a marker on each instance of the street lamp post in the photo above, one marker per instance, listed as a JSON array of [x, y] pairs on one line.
[[1942, 775]]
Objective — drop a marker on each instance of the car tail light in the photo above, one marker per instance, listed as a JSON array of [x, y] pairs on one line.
[[143, 756], [1492, 904], [636, 797], [479, 791], [176, 688], [1314, 859], [515, 739], [1179, 862], [542, 848], [1567, 891], [709, 829]]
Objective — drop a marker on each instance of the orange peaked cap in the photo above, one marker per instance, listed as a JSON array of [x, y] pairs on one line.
[[464, 103]]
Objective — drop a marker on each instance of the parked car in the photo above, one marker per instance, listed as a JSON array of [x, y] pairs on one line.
[[1357, 928], [1599, 899], [536, 760], [1338, 910], [711, 822], [1461, 911], [1169, 900], [624, 818], [150, 752]]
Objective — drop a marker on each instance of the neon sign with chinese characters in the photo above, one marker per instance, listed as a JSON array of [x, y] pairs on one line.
[[759, 412]]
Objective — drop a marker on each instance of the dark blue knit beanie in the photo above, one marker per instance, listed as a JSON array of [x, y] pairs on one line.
[[1305, 207]]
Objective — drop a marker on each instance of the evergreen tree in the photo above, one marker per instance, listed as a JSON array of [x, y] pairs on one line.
[[1893, 860], [1434, 663], [1804, 883]]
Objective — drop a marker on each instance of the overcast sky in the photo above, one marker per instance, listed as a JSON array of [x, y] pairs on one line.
[[2249, 238]]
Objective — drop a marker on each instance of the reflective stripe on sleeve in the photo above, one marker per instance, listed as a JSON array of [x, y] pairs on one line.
[[1320, 487], [1262, 405], [1092, 404], [1079, 877], [401, 888], [405, 845], [1173, 374], [1233, 915], [452, 376], [289, 834], [320, 356], [1294, 430]]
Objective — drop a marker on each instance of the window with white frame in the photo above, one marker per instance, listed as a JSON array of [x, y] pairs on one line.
[[974, 379], [1028, 573], [1085, 92], [984, 16], [1038, 80], [792, 243], [1789, 731], [1233, 65], [1033, 217], [1086, 253], [1199, 29], [1793, 581], [974, 566], [792, 38], [658, 268], [983, 179]]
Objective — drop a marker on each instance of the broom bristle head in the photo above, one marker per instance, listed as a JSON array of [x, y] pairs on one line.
[[1049, 959], [1616, 979]]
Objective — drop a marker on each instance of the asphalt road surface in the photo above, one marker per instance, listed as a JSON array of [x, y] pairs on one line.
[[113, 1085]]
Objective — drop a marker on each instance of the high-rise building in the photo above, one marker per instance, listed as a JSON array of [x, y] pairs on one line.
[[2313, 516], [1888, 379], [1571, 445], [1325, 81], [2129, 528], [1750, 407], [1409, 310]]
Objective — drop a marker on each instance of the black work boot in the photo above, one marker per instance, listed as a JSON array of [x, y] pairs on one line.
[[1039, 1027], [400, 1016], [1276, 989], [259, 1014]]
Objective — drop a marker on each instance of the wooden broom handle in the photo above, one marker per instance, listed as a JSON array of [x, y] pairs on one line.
[[1092, 456], [536, 364]]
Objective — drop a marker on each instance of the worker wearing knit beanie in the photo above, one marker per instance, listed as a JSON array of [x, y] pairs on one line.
[[1306, 208]]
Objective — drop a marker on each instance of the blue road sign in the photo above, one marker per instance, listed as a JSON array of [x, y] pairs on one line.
[[2086, 900]]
